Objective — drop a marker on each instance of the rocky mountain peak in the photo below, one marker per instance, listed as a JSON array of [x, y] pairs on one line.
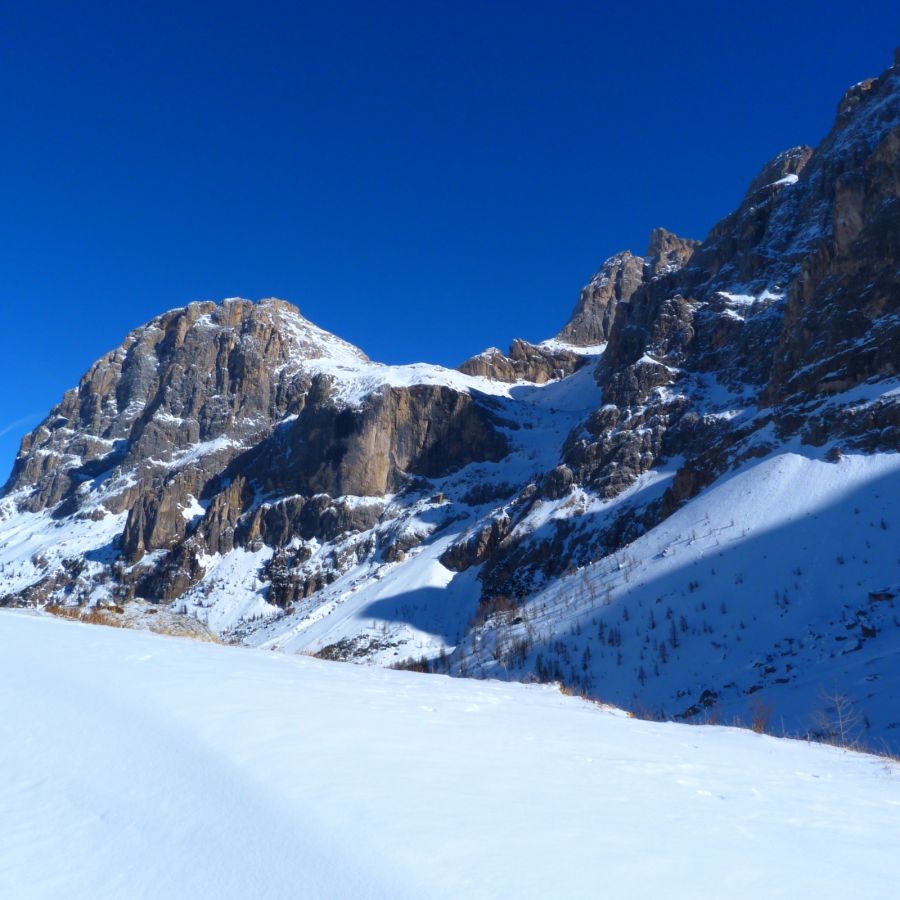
[[616, 282], [667, 252], [781, 169], [617, 279], [237, 463], [209, 375]]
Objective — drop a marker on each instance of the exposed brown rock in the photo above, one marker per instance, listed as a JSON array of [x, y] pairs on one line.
[[618, 280], [619, 277], [524, 362], [668, 253], [426, 430]]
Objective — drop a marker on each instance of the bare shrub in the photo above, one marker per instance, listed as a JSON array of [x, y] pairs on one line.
[[760, 715]]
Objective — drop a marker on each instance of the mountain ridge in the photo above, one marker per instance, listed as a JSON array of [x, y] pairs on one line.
[[236, 463]]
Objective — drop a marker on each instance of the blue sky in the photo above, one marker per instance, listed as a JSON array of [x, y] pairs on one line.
[[424, 179]]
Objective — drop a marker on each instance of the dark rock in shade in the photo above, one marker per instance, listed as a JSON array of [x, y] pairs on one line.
[[558, 483], [478, 546]]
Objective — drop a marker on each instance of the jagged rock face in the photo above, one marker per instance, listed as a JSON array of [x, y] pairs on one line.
[[524, 362], [155, 520], [782, 166], [188, 378], [425, 430], [840, 323], [795, 293], [616, 282], [590, 322]]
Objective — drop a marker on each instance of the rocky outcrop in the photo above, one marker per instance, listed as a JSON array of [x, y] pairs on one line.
[[782, 169], [536, 363], [426, 430], [310, 518], [156, 520], [476, 547], [617, 281], [619, 277], [668, 253]]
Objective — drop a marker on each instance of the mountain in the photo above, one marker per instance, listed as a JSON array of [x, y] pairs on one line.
[[685, 503]]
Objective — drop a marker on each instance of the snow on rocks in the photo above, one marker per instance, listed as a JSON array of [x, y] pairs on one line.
[[757, 591]]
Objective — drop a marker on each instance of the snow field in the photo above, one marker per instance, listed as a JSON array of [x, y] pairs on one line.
[[139, 766]]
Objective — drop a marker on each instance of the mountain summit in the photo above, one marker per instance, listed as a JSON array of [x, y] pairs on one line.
[[685, 503]]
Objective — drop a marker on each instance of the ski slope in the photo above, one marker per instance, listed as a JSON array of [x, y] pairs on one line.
[[139, 766]]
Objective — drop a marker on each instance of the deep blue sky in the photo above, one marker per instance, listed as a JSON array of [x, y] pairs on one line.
[[425, 179]]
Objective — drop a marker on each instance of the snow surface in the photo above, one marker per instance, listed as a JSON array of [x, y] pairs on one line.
[[231, 589], [766, 579], [788, 179], [33, 544], [555, 344], [140, 766], [356, 376]]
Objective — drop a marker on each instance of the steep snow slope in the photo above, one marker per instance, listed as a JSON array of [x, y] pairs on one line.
[[777, 587], [139, 766], [414, 606]]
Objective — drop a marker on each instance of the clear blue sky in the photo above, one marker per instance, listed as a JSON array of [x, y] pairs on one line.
[[425, 179]]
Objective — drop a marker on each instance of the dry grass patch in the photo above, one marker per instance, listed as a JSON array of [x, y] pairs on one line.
[[140, 616]]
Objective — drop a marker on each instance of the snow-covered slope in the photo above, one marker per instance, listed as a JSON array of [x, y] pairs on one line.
[[774, 589], [139, 766]]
